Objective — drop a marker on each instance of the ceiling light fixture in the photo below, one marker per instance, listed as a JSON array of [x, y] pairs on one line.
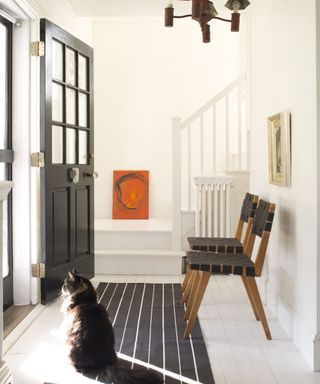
[[203, 11]]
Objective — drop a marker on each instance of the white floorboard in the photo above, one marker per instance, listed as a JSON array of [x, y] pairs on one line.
[[238, 350]]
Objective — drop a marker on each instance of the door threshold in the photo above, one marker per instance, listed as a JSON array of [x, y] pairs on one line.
[[13, 316], [20, 328]]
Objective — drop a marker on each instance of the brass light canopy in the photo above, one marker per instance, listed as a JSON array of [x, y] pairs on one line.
[[203, 11]]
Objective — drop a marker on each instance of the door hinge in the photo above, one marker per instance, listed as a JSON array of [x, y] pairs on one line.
[[37, 159], [39, 270], [37, 48]]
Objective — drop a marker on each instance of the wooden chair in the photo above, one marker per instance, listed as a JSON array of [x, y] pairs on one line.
[[223, 244], [203, 264]]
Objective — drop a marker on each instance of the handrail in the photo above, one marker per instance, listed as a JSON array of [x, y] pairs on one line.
[[213, 101]]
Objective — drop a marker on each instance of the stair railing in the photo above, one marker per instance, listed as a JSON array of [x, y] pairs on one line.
[[228, 150]]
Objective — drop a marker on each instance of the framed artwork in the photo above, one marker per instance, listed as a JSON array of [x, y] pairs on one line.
[[279, 142], [130, 195]]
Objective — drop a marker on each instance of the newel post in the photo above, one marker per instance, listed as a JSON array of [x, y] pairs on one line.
[[176, 184]]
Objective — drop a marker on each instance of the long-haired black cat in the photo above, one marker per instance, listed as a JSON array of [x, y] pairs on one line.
[[90, 336]]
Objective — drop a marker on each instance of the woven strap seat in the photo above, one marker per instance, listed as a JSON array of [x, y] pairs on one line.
[[221, 263], [231, 244], [216, 244]]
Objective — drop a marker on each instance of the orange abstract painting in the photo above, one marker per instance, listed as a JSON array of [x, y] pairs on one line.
[[130, 195]]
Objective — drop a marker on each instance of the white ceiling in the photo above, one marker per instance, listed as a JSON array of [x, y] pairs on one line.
[[102, 8], [131, 8]]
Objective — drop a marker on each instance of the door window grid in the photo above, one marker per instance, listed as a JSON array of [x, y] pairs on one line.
[[70, 105]]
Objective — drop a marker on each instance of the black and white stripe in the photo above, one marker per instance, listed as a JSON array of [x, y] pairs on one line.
[[148, 324]]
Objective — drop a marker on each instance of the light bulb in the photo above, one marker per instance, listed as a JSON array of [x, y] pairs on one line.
[[236, 6]]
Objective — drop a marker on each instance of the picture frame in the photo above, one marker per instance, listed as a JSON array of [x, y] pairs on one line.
[[279, 143]]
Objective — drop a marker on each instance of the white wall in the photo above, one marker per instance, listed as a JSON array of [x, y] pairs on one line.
[[283, 70], [145, 74], [61, 13]]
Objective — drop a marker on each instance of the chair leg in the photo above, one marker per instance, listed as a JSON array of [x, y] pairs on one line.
[[251, 299], [205, 276], [186, 279], [193, 292], [257, 299], [188, 288]]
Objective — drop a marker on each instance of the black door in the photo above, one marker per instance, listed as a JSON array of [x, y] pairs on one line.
[[67, 179], [6, 154]]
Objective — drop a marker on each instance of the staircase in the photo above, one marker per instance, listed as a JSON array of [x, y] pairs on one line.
[[137, 247], [211, 143]]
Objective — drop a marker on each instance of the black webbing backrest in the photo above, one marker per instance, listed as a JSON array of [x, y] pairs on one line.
[[249, 207], [263, 218]]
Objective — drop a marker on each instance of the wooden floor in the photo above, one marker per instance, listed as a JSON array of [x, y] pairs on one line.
[[237, 347]]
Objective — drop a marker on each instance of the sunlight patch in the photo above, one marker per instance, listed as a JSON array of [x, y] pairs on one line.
[[47, 363]]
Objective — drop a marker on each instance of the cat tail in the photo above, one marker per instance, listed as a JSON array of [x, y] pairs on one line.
[[121, 375]]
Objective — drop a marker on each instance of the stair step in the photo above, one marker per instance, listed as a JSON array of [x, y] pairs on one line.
[[138, 262], [151, 225], [133, 234]]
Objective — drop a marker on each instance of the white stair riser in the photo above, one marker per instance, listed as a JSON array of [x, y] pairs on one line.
[[135, 264], [132, 240]]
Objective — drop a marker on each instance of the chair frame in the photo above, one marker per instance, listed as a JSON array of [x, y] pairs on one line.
[[198, 281]]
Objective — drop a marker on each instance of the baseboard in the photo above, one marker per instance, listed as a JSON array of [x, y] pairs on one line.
[[316, 354], [298, 331], [5, 374]]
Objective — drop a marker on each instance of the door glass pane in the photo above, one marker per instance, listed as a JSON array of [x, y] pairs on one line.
[[70, 66], [3, 89], [57, 60], [71, 106], [57, 102], [83, 151], [57, 145], [71, 146], [83, 80], [83, 110]]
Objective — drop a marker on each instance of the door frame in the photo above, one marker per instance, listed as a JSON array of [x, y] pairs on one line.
[[7, 159], [25, 140]]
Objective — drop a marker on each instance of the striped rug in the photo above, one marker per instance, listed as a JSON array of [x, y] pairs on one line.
[[148, 324]]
